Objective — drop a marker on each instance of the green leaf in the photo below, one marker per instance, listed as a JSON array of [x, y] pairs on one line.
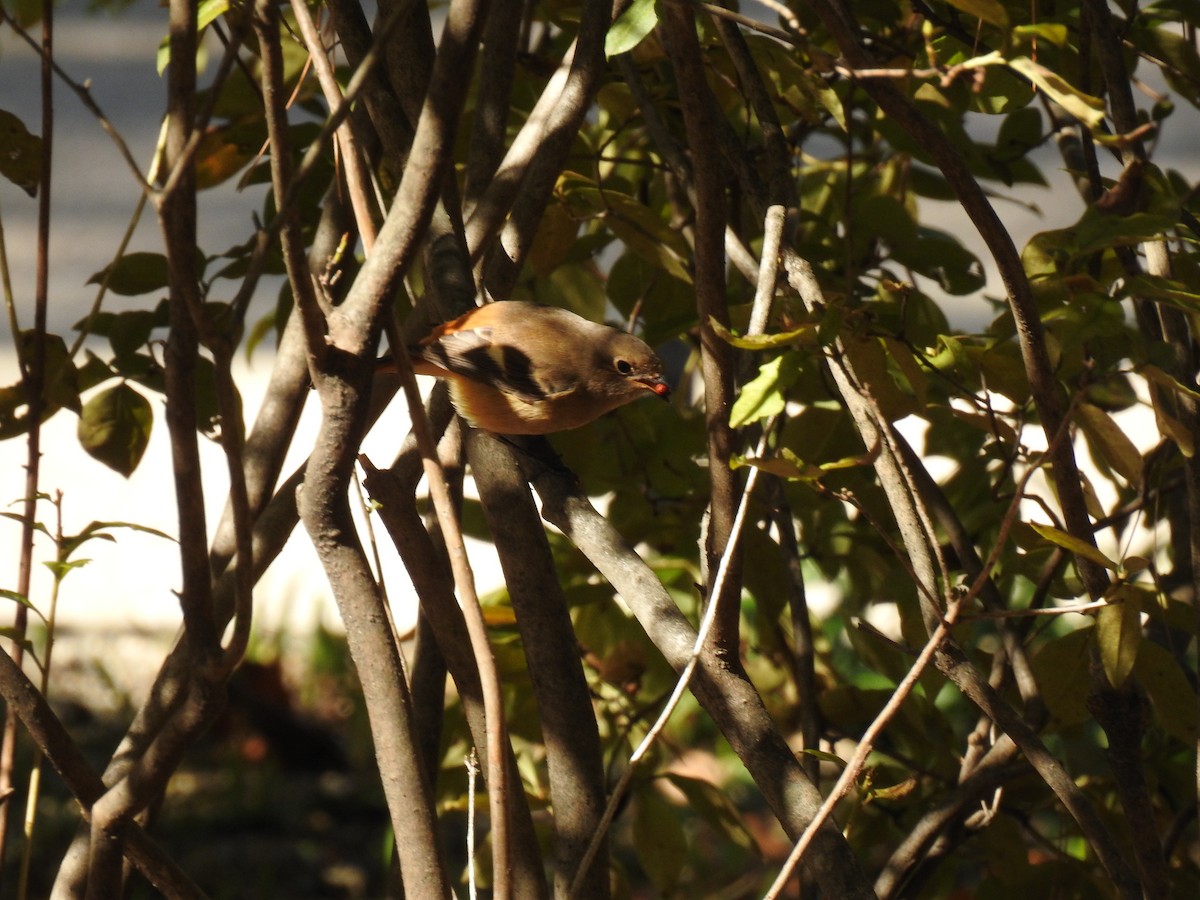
[[825, 756], [786, 465], [1086, 108], [1118, 635], [556, 236], [658, 839], [1060, 668], [714, 806], [17, 598], [1055, 33], [206, 14], [762, 341], [1110, 442], [870, 363], [640, 228], [134, 274], [897, 791], [1169, 690], [575, 287], [1074, 545], [37, 526], [60, 568], [17, 638], [764, 395], [991, 11], [99, 531], [1168, 423], [20, 154], [630, 28], [61, 388], [1180, 61], [114, 427], [909, 367]]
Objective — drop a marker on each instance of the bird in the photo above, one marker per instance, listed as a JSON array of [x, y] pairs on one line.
[[517, 367]]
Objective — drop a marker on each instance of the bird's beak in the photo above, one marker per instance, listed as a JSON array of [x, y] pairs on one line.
[[657, 386]]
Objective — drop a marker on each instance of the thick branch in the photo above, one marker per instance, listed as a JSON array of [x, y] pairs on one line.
[[522, 191], [569, 728]]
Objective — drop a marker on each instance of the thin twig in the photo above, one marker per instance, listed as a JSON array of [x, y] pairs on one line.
[[768, 271], [464, 583], [357, 179], [1048, 611], [33, 794], [745, 21], [472, 774], [83, 91]]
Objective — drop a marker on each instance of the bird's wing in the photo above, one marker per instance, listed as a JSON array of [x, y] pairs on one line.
[[475, 353]]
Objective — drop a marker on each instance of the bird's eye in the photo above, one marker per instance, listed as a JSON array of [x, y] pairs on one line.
[[624, 366]]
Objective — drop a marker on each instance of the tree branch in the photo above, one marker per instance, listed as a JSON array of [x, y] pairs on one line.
[[716, 356]]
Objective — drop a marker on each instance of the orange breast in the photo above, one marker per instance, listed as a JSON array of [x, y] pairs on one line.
[[485, 407]]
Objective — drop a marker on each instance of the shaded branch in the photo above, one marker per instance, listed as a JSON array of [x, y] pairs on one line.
[[28, 704], [569, 729], [716, 356]]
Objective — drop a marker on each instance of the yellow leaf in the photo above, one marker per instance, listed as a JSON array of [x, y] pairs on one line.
[[1168, 425], [1073, 544], [1119, 634], [1110, 442]]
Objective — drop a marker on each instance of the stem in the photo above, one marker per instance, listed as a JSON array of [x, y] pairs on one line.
[[464, 583], [35, 765], [33, 379]]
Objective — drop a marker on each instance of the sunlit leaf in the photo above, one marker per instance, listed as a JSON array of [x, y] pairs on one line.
[[897, 791], [1086, 108], [100, 530], [825, 756], [1118, 635], [206, 14], [1111, 442], [637, 21], [1053, 32], [785, 465], [1074, 545], [60, 568], [764, 395], [763, 341]]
